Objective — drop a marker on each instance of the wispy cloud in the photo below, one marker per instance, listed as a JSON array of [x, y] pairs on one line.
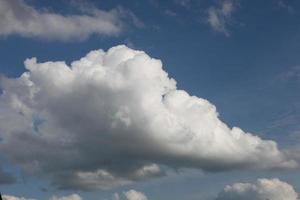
[[129, 195], [285, 5], [19, 18], [293, 73], [220, 16], [69, 197], [184, 3]]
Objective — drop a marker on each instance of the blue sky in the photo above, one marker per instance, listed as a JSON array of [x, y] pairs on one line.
[[244, 60]]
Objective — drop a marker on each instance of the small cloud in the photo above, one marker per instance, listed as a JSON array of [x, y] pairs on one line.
[[184, 3], [135, 195], [293, 73], [262, 189], [285, 5], [170, 13], [130, 195], [129, 43], [19, 18], [10, 197], [220, 16], [69, 197]]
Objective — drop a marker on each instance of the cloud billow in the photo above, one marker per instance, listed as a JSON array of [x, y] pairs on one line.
[[115, 117]]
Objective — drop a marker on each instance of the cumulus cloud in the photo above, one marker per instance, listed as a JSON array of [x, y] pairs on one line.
[[19, 18], [263, 189], [113, 118], [220, 16], [6, 178]]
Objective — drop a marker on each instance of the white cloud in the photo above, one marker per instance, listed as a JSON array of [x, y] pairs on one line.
[[112, 118], [135, 195], [130, 195], [18, 18], [69, 197], [9, 197], [219, 17], [263, 189]]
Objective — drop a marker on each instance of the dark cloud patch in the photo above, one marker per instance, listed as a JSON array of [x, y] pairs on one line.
[[6, 178]]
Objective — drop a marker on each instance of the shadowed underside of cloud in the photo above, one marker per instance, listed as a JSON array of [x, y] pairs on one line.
[[18, 18], [113, 118], [263, 189]]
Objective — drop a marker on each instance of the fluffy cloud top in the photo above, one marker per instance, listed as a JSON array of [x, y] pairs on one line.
[[219, 17], [19, 18], [263, 189], [112, 118]]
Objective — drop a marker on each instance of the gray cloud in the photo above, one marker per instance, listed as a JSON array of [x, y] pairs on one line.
[[115, 117], [220, 16], [6, 178], [263, 189], [19, 18]]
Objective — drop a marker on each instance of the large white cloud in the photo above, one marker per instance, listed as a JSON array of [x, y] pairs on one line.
[[18, 18], [263, 189], [112, 118]]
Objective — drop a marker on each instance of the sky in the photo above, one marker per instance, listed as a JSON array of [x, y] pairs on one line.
[[149, 100]]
